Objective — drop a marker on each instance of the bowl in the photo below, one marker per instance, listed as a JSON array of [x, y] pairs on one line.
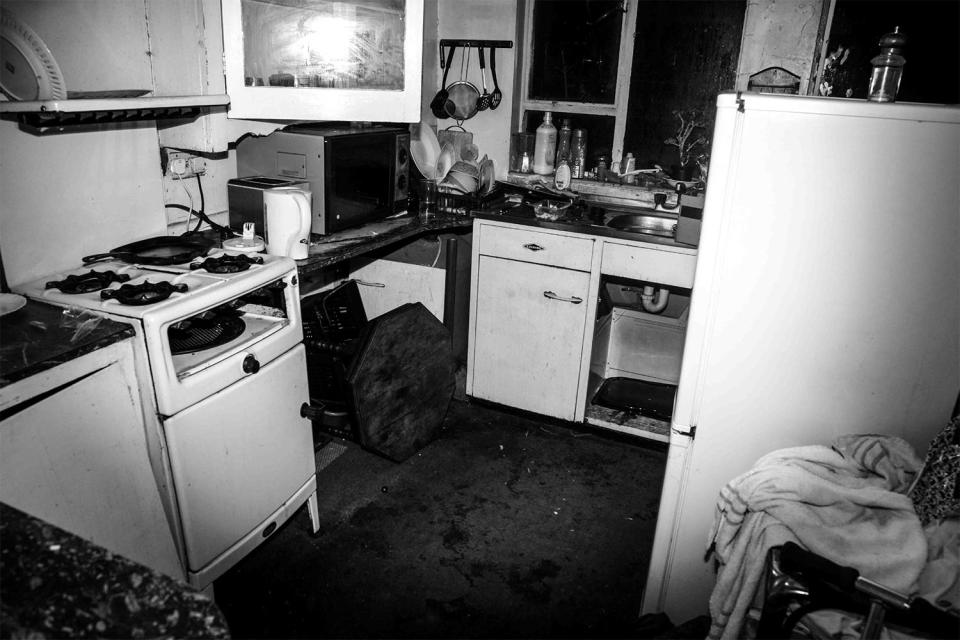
[[467, 168], [462, 181], [550, 209]]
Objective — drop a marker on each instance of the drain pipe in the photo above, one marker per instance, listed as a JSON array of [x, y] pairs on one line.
[[654, 300]]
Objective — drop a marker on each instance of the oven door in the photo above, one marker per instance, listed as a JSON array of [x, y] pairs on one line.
[[237, 458]]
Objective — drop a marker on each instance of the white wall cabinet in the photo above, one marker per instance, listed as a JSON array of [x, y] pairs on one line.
[[73, 452], [356, 61]]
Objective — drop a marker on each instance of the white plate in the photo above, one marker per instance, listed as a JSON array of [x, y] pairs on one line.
[[448, 158], [425, 149], [10, 302], [487, 173], [21, 45]]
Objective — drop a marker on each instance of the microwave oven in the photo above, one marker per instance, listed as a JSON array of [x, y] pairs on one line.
[[356, 174]]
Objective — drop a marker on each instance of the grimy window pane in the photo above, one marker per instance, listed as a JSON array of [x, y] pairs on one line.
[[684, 54], [576, 48], [321, 43]]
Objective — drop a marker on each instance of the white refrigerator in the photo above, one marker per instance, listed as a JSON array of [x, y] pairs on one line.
[[826, 302]]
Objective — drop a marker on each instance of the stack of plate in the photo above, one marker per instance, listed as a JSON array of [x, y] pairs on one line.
[[425, 149]]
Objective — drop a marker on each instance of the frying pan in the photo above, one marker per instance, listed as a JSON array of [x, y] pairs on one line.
[[160, 250], [439, 100]]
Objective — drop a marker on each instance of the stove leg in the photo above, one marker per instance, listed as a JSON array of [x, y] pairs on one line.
[[314, 510]]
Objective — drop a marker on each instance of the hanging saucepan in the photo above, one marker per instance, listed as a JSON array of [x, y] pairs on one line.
[[439, 100], [462, 95], [160, 250]]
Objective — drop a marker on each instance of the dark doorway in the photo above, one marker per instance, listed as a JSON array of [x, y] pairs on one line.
[[932, 27]]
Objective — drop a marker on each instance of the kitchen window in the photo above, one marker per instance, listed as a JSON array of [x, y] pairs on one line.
[[621, 69]]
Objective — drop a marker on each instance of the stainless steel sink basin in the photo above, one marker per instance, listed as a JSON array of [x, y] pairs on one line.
[[653, 225]]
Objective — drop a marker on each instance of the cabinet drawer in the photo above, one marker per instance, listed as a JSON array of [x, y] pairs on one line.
[[649, 264], [537, 246]]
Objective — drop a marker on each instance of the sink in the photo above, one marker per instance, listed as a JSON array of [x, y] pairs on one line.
[[653, 225]]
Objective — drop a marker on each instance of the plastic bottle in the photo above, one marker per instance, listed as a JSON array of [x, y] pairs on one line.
[[563, 142], [545, 148], [561, 179], [629, 164], [887, 68], [578, 153]]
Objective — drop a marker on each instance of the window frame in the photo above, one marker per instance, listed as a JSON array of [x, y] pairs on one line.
[[617, 110]]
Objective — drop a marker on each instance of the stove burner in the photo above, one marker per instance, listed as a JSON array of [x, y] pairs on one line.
[[227, 263], [207, 330], [142, 294], [87, 282]]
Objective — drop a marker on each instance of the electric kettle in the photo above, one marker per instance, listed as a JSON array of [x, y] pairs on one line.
[[286, 212]]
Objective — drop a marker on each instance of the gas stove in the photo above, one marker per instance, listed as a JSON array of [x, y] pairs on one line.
[[138, 291], [221, 338]]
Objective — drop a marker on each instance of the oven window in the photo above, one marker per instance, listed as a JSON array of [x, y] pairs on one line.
[[359, 177]]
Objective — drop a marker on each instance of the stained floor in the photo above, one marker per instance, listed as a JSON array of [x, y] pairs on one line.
[[503, 527]]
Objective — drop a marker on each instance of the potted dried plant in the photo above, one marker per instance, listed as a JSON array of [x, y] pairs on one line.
[[690, 120]]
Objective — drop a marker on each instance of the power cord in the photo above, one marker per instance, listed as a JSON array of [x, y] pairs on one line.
[[189, 197]]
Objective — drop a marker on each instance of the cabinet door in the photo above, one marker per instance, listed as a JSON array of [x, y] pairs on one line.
[[75, 456], [385, 285], [239, 455], [528, 335], [321, 60]]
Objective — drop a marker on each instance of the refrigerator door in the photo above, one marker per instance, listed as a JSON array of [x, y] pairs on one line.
[[826, 301]]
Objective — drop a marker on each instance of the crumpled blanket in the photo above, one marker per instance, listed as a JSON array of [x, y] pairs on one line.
[[846, 503]]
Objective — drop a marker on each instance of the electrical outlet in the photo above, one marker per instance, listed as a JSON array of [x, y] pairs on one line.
[[178, 164], [197, 165]]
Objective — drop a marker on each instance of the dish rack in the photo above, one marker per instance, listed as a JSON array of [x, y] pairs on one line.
[[452, 202]]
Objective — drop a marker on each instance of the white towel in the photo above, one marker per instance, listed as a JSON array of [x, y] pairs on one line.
[[841, 503]]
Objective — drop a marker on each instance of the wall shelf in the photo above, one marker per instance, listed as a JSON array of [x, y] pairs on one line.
[[52, 116]]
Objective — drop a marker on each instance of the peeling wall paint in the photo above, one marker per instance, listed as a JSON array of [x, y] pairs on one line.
[[779, 33]]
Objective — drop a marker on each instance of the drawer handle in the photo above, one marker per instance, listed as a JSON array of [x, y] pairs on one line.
[[369, 284], [533, 247], [553, 296]]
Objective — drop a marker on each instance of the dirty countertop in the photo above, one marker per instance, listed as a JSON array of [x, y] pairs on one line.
[[57, 585], [40, 336]]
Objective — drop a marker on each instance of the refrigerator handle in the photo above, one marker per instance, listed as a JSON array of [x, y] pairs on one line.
[[692, 433]]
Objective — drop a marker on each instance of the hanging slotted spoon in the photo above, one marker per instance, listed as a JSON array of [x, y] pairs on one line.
[[497, 95], [483, 102]]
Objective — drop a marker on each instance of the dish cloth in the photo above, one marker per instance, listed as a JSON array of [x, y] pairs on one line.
[[846, 503]]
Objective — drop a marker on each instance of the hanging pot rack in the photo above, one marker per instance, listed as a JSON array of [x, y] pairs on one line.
[[457, 42]]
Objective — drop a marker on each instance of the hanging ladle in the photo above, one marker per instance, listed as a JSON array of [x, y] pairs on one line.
[[483, 102], [497, 95], [440, 100]]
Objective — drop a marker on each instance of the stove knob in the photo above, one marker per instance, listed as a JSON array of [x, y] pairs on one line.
[[250, 364]]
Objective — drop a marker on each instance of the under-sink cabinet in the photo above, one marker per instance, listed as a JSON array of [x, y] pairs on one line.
[[531, 298], [555, 313]]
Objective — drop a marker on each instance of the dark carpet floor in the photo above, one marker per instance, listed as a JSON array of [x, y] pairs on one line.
[[503, 527]]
